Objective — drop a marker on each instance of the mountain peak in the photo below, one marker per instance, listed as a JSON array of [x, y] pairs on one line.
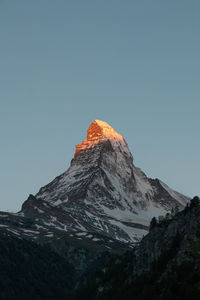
[[97, 132], [102, 130], [103, 196]]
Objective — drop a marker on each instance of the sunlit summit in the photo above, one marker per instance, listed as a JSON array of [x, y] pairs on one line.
[[97, 132]]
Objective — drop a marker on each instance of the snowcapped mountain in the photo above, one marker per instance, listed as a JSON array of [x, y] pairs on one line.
[[102, 197]]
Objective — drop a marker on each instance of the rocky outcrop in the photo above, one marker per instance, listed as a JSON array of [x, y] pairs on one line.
[[164, 266]]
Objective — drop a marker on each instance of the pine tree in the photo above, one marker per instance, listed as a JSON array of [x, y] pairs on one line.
[[153, 223], [195, 202]]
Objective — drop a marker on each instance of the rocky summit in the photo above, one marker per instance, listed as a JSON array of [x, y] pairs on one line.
[[102, 199]]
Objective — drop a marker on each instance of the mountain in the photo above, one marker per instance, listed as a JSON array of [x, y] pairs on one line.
[[96, 210], [165, 265], [103, 196], [103, 199]]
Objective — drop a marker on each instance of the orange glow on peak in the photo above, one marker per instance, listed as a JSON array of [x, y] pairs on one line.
[[97, 132]]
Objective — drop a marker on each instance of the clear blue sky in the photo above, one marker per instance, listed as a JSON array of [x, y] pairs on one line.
[[63, 64]]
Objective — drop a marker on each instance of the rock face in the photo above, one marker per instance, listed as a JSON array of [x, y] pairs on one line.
[[103, 197], [165, 265]]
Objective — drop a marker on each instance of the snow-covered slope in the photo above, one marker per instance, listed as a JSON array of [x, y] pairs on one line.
[[103, 193]]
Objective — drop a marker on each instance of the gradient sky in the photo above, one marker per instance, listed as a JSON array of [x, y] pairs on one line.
[[63, 64]]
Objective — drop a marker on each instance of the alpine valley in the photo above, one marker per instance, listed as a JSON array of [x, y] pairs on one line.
[[101, 206]]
